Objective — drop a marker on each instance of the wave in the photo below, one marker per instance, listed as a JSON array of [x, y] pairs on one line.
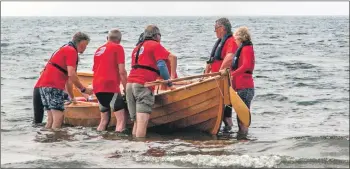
[[271, 96], [5, 44], [246, 161]]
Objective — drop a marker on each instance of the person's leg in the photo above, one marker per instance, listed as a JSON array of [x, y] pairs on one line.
[[144, 103], [49, 120], [56, 105], [103, 121], [134, 129], [131, 100], [58, 117], [247, 96], [104, 99], [142, 123], [44, 93], [118, 105], [227, 117], [38, 107]]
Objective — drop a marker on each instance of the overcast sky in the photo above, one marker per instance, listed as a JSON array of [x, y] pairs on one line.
[[180, 8]]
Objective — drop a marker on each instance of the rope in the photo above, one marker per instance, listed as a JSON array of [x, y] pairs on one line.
[[222, 95]]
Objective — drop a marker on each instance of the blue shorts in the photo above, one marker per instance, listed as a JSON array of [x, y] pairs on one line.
[[52, 98]]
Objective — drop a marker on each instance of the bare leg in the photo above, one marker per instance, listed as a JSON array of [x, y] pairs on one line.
[[49, 120], [57, 118], [142, 122], [120, 119], [103, 122], [134, 129]]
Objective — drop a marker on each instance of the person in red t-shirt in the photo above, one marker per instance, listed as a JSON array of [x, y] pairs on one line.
[[60, 74], [148, 62], [172, 58], [109, 72], [242, 68], [220, 56]]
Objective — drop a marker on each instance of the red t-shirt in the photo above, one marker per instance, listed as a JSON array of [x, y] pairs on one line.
[[53, 77], [150, 53], [229, 47], [242, 80], [106, 72]]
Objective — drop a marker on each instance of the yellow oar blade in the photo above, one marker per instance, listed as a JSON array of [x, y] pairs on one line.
[[240, 108]]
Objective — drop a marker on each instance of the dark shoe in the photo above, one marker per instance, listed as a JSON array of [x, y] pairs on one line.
[[227, 129], [242, 135], [123, 133]]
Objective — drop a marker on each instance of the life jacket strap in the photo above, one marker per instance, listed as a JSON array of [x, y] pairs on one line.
[[59, 68], [146, 67]]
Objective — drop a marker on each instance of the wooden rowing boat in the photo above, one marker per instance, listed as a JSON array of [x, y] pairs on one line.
[[198, 106]]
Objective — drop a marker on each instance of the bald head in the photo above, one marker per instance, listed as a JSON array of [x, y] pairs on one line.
[[114, 35], [152, 32]]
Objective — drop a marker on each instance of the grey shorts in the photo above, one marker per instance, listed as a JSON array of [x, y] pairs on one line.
[[139, 98], [52, 98]]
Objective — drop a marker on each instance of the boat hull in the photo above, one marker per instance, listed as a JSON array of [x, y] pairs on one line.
[[197, 106]]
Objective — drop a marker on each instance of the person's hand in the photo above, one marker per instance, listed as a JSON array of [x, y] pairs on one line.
[[85, 95], [207, 69], [73, 100]]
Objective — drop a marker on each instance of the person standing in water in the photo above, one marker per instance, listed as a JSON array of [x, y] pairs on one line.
[[148, 62], [109, 72], [60, 73], [242, 67], [223, 49]]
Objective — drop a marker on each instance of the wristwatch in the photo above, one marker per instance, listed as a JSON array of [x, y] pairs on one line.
[[169, 83]]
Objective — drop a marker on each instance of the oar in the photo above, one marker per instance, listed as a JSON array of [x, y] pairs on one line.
[[240, 107], [148, 84]]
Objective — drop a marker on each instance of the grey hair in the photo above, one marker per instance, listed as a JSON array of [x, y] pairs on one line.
[[151, 31], [243, 34], [115, 33], [80, 36], [226, 23]]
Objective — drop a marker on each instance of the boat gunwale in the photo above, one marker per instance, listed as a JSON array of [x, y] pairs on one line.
[[93, 104]]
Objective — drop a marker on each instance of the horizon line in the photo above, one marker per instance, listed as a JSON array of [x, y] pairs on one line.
[[161, 15]]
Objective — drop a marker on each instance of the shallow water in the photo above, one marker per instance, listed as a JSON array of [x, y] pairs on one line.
[[300, 110]]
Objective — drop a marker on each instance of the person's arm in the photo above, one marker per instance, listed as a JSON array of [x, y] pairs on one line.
[[173, 65], [123, 75], [227, 61], [163, 69], [247, 58], [73, 77], [161, 54], [120, 58], [69, 89], [207, 68], [72, 74], [230, 49]]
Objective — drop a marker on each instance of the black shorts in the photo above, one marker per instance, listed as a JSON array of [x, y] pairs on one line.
[[110, 101]]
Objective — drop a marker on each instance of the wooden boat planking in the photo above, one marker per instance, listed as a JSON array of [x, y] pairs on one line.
[[197, 106]]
